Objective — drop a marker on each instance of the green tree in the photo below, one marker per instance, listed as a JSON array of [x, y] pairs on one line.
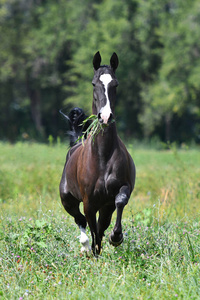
[[46, 53], [103, 32], [37, 38], [113, 26], [174, 94]]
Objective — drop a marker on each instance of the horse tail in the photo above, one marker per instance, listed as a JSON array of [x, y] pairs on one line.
[[75, 119]]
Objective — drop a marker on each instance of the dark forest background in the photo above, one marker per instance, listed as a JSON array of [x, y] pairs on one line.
[[46, 52]]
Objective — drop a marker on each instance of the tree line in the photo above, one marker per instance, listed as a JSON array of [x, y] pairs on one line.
[[46, 53]]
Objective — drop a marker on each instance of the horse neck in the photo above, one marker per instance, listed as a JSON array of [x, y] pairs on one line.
[[106, 142]]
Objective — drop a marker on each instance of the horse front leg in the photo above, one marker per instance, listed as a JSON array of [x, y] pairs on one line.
[[116, 237]]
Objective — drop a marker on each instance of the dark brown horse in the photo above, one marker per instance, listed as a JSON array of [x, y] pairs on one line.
[[101, 173]]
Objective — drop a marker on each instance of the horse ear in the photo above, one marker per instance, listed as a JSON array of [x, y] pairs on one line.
[[114, 61], [97, 60]]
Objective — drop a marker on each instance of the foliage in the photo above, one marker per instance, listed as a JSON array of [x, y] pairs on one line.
[[175, 92], [39, 247], [46, 56]]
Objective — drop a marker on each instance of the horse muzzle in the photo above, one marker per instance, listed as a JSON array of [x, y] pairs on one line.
[[105, 118]]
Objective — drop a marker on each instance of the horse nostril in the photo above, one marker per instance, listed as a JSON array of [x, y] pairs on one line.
[[110, 118], [99, 117], [104, 118]]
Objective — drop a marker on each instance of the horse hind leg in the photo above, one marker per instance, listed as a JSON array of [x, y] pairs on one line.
[[116, 237], [71, 205]]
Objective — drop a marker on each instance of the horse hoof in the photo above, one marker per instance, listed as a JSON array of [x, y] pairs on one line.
[[85, 249], [97, 251], [116, 241]]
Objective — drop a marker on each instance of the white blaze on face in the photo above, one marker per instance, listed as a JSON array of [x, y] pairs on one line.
[[106, 110]]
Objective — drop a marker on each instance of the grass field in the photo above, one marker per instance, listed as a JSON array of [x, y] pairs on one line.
[[39, 247]]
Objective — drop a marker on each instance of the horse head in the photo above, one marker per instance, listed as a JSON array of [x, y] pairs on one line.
[[104, 88]]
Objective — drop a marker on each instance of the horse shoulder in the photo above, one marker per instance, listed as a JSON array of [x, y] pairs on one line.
[[87, 170]]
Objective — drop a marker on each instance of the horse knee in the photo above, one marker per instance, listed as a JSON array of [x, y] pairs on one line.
[[121, 200], [80, 220], [68, 201], [71, 205]]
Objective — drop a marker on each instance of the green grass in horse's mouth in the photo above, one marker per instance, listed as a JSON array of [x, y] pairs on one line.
[[93, 129]]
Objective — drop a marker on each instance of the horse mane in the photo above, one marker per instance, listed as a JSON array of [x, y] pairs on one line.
[[75, 120]]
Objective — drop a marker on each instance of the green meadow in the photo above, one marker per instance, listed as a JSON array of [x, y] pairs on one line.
[[40, 254]]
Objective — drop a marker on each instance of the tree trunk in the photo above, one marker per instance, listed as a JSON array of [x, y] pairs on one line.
[[35, 99], [167, 127]]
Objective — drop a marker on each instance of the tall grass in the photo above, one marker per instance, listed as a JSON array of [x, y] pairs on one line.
[[39, 247]]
